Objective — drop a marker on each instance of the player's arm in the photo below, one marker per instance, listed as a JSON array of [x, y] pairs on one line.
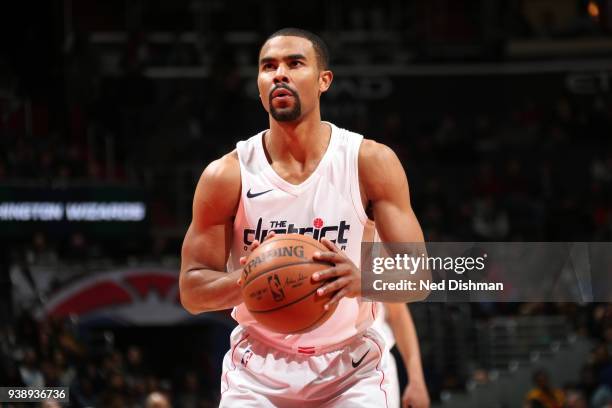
[[401, 323], [384, 184], [203, 283]]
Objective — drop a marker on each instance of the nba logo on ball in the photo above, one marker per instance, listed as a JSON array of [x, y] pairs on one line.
[[275, 288]]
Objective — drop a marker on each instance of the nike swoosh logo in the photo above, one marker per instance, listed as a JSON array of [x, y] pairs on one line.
[[253, 195], [356, 363]]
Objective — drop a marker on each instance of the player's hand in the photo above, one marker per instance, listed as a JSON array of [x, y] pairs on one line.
[[415, 396], [347, 277], [253, 247]]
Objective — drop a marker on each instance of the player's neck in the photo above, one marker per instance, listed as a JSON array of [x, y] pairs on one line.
[[301, 141]]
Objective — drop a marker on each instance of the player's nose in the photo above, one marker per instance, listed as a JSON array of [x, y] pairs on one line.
[[281, 74]]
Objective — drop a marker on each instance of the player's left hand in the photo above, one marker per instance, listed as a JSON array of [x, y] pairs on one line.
[[347, 276], [254, 246], [415, 396]]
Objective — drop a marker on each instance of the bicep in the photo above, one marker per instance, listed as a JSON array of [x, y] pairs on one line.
[[387, 189], [206, 248], [208, 239]]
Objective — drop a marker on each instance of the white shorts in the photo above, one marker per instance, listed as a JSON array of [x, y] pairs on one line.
[[394, 387], [256, 374]]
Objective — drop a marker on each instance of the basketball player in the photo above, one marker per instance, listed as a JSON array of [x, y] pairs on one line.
[[308, 176], [394, 323]]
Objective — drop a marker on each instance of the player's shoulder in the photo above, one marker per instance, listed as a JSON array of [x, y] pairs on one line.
[[379, 169], [374, 154], [222, 172], [217, 194]]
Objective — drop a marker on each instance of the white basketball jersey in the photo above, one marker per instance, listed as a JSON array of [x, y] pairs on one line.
[[327, 204]]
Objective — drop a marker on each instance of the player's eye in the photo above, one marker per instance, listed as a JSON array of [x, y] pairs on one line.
[[295, 63], [267, 66]]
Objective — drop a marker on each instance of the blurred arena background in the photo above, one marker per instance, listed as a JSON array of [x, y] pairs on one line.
[[501, 112]]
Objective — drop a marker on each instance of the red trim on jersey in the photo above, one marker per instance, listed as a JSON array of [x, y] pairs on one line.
[[232, 360]]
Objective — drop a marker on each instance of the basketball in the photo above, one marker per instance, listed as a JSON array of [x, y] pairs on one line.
[[277, 286]]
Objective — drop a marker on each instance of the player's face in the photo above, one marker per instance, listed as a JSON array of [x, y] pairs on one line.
[[290, 81]]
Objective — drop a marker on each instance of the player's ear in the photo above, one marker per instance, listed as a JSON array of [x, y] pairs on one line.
[[325, 79]]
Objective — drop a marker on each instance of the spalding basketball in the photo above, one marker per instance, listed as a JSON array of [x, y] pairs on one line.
[[278, 288]]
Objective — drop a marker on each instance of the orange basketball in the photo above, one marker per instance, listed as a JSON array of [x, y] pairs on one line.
[[277, 286]]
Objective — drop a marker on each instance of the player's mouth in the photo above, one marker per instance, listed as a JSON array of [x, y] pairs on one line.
[[281, 94]]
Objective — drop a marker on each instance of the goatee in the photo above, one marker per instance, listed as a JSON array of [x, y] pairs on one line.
[[284, 114]]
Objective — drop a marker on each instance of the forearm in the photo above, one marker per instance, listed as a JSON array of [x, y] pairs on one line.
[[402, 325], [205, 290]]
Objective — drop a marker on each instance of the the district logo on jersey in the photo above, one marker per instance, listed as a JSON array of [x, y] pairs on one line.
[[318, 230]]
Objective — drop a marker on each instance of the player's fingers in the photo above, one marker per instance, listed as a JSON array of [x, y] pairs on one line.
[[332, 257], [254, 245], [330, 245], [332, 272], [271, 234], [239, 281], [332, 286], [339, 295], [243, 260]]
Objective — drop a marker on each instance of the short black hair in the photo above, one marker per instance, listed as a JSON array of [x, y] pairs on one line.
[[320, 48]]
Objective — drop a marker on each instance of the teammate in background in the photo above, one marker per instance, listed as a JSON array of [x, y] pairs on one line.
[[397, 328], [394, 321], [308, 176]]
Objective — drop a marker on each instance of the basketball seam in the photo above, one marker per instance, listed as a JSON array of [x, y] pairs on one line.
[[298, 238], [288, 304], [282, 266]]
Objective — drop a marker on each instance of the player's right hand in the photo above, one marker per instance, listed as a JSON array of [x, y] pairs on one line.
[[253, 247]]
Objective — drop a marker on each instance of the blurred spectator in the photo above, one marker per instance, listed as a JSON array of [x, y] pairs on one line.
[[82, 392], [602, 364], [29, 370], [543, 395], [490, 222], [602, 398], [115, 394], [134, 366], [575, 399], [66, 373], [588, 381], [157, 400], [190, 394], [50, 404], [40, 253]]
